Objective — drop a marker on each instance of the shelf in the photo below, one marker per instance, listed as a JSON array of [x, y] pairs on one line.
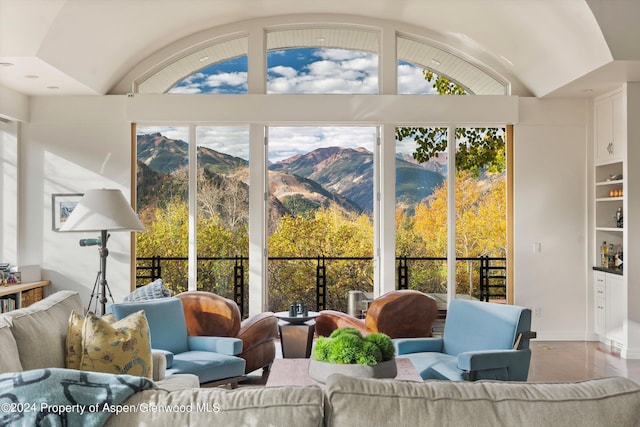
[[21, 295], [21, 287], [610, 229], [616, 182], [609, 199]]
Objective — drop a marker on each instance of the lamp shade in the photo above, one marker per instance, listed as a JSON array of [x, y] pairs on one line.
[[104, 209]]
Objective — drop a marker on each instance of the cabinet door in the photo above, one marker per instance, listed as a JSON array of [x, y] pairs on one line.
[[610, 128], [599, 303], [616, 308], [618, 127], [604, 129]]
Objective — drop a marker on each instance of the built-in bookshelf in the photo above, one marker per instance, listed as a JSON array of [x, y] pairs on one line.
[[20, 295]]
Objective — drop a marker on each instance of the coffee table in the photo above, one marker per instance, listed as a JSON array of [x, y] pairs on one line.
[[295, 372]]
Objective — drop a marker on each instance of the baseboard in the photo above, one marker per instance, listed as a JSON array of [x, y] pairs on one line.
[[565, 336], [630, 353]]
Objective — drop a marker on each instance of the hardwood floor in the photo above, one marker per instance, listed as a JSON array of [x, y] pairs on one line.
[[578, 360]]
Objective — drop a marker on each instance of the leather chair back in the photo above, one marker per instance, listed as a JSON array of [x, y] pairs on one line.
[[208, 314]]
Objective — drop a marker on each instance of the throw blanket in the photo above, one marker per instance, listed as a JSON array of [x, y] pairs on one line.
[[65, 397]]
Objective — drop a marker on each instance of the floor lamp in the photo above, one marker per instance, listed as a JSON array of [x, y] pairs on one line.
[[104, 210]]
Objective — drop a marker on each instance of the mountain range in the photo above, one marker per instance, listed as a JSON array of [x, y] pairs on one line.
[[300, 183]]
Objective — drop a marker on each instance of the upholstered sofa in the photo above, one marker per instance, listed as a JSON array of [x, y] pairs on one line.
[[34, 338]]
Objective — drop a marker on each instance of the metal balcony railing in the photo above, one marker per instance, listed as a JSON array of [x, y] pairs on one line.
[[484, 277]]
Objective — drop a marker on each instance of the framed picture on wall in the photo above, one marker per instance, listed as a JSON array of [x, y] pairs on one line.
[[61, 207]]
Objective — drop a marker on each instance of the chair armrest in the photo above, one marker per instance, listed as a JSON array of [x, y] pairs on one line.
[[159, 363], [417, 345], [522, 338], [222, 345], [477, 361], [258, 329]]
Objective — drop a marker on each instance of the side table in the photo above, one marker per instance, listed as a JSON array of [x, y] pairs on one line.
[[296, 334]]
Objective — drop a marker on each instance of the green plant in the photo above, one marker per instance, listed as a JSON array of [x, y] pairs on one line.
[[348, 346]]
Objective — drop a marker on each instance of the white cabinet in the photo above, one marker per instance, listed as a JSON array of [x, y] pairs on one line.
[[616, 308], [610, 128], [600, 304], [609, 307]]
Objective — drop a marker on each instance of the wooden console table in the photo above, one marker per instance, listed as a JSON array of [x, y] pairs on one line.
[[24, 294]]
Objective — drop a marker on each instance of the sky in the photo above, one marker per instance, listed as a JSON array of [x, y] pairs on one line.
[[307, 70]]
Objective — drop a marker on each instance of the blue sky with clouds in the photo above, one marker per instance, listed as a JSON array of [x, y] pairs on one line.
[[305, 70]]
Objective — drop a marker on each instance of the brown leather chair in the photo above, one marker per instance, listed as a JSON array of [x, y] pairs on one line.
[[208, 314], [399, 314]]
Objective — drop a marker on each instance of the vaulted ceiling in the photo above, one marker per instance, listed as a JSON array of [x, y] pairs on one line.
[[546, 48]]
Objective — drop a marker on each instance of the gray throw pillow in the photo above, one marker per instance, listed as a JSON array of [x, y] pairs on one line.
[[153, 290]]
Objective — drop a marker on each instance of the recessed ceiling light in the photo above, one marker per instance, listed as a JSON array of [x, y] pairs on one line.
[[435, 61], [6, 64], [204, 58], [32, 76]]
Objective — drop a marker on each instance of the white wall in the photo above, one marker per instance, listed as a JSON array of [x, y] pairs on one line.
[[9, 188], [550, 207], [72, 144]]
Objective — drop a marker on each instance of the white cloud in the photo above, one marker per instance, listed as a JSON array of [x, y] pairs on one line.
[[227, 79], [231, 140], [288, 72], [411, 81], [287, 141], [337, 71]]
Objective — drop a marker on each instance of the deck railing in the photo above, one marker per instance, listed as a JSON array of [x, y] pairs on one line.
[[483, 278]]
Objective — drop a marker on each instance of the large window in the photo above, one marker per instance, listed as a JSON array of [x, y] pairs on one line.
[[422, 219], [306, 210], [321, 204], [222, 200]]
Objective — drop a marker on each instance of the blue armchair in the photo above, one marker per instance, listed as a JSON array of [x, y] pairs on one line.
[[481, 340], [212, 359]]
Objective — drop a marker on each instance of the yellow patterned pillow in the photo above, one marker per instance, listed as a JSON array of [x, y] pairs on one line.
[[73, 353], [121, 348]]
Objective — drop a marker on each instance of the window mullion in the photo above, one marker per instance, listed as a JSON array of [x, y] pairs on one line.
[[193, 210], [451, 214]]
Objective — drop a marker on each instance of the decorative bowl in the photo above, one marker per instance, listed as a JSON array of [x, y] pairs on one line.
[[320, 371]]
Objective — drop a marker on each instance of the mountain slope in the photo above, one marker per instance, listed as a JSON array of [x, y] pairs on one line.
[[349, 173]]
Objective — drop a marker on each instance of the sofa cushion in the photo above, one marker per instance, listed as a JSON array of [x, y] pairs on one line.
[[121, 348], [598, 402], [208, 366], [9, 357], [153, 290], [255, 406], [73, 344], [40, 330]]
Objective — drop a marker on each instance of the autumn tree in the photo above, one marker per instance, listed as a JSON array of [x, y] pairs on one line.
[[480, 227], [478, 149], [328, 232]]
